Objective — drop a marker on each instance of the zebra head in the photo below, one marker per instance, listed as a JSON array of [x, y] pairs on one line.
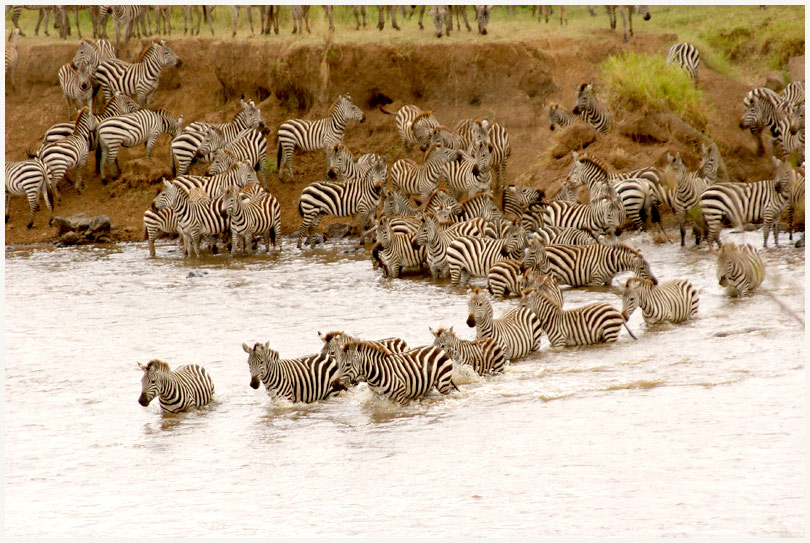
[[710, 162], [426, 231], [258, 357], [535, 257], [348, 110], [480, 310], [641, 267], [149, 385], [354, 369], [634, 288], [168, 197], [250, 115], [446, 340], [644, 11], [122, 104], [341, 159], [210, 142], [439, 15], [166, 56], [482, 16], [85, 71], [576, 173], [223, 159], [610, 214], [422, 127], [784, 175], [585, 99]]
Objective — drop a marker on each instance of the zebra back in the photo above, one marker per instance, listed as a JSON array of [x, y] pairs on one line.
[[581, 265], [585, 325]]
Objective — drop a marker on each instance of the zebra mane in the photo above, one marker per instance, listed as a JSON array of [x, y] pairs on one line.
[[79, 118], [597, 163], [639, 280], [427, 152], [329, 336], [110, 101], [158, 365], [583, 86], [549, 299], [335, 104], [629, 249], [423, 114], [367, 345], [761, 93], [438, 332], [144, 52]]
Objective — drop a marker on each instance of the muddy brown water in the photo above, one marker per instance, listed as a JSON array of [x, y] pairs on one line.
[[692, 430]]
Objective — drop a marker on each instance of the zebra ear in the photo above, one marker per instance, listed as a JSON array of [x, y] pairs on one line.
[[246, 347], [165, 183], [141, 366]]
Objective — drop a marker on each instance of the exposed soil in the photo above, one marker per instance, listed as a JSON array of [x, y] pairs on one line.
[[506, 82]]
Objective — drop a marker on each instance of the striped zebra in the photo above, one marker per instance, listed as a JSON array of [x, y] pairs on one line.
[[556, 235], [436, 237], [415, 126], [401, 377], [796, 201], [480, 205], [260, 216], [130, 130], [484, 355], [240, 174], [586, 325], [710, 162], [94, 53], [686, 197], [582, 265], [471, 174], [448, 138], [123, 19], [515, 199], [199, 12], [739, 268], [304, 379], [251, 146], [557, 115], [343, 164], [70, 152], [627, 17], [12, 55], [505, 275], [793, 93], [469, 256], [120, 104], [179, 390], [762, 110], [531, 280], [741, 203], [482, 18], [603, 216], [155, 222], [349, 199], [591, 110], [188, 146], [333, 343], [517, 331], [139, 80], [421, 179], [29, 178], [687, 57], [314, 135], [501, 151], [44, 13], [673, 301], [76, 87], [398, 251]]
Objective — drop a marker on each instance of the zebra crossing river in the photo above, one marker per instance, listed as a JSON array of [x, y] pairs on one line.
[[692, 430]]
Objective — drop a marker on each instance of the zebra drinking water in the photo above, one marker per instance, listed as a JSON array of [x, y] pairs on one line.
[[673, 301]]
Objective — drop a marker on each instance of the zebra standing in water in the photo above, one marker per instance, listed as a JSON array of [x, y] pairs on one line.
[[179, 390], [129, 130], [29, 178], [70, 152], [401, 377], [591, 110], [76, 87], [313, 135], [139, 80], [796, 200], [398, 250], [504, 276], [251, 146], [518, 331], [686, 197], [582, 265], [261, 215], [739, 268], [155, 222], [741, 203], [469, 256], [672, 301], [422, 179], [333, 343], [485, 355], [687, 57], [603, 216], [557, 115]]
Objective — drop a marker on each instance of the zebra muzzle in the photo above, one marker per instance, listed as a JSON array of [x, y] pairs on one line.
[[575, 111], [331, 174], [143, 400], [178, 63], [254, 382], [471, 321]]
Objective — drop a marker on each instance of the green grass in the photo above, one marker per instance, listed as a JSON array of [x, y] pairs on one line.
[[646, 84]]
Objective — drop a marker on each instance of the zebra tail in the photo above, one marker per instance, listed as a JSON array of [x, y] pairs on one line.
[[632, 335], [98, 158], [174, 164], [278, 161], [381, 108]]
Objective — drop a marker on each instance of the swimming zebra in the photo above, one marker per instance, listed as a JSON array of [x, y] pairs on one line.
[[260, 216], [251, 146], [304, 379], [155, 222], [139, 80], [739, 268], [591, 110], [582, 265], [504, 276], [29, 178], [347, 199], [187, 146], [415, 126], [70, 152], [517, 331], [741, 203], [687, 57], [686, 197], [333, 343], [12, 55], [515, 199], [556, 235], [76, 87], [586, 325], [401, 377], [130, 130], [398, 251], [484, 355], [673, 301], [313, 135], [557, 115], [603, 216], [179, 390], [471, 174], [469, 256], [422, 179]]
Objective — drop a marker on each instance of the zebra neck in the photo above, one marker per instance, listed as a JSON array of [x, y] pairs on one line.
[[337, 124]]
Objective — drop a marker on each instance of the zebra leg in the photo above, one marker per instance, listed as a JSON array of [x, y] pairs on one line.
[[421, 17], [394, 24], [303, 232], [236, 19], [8, 197], [76, 18], [315, 222], [150, 144], [32, 208]]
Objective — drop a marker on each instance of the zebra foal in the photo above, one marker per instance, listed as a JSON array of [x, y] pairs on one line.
[[673, 301], [591, 110], [260, 215], [485, 355], [179, 390]]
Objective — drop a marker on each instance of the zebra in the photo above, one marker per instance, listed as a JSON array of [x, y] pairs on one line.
[[673, 301], [517, 331], [480, 205], [484, 355], [132, 129], [627, 19], [436, 238], [155, 222], [603, 216], [200, 13], [687, 57], [557, 115], [442, 17], [591, 110], [358, 11], [164, 14], [448, 138], [139, 80], [250, 146], [739, 268], [796, 201], [76, 86], [710, 162], [482, 18], [333, 343], [763, 109], [240, 174], [12, 55], [120, 104], [471, 174], [415, 126], [531, 280], [340, 200], [422, 179], [189, 144], [793, 93], [269, 16], [471, 132], [44, 13], [556, 235], [392, 13], [305, 379], [402, 377], [29, 178], [501, 151], [179, 390], [94, 53], [313, 135], [123, 18], [259, 216], [741, 203], [515, 199], [398, 251], [503, 278], [70, 152], [470, 256], [586, 325], [344, 165], [249, 10], [686, 197], [582, 265]]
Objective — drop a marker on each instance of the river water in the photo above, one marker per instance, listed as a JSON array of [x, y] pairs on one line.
[[692, 430]]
